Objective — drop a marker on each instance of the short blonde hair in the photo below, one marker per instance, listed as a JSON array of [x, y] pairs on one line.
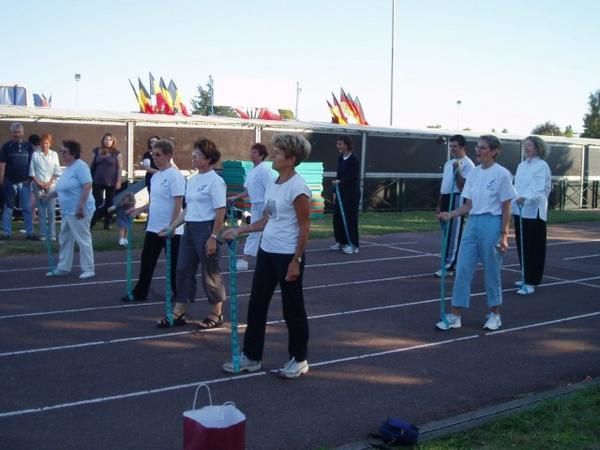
[[292, 145], [541, 147]]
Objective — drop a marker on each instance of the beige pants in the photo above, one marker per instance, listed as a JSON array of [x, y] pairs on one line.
[[77, 230]]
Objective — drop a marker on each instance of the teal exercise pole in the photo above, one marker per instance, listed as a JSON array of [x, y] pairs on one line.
[[521, 241], [51, 260], [128, 265], [233, 309], [339, 202], [168, 291]]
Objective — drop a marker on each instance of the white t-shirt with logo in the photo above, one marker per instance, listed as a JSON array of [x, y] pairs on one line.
[[257, 180], [449, 185], [166, 184], [488, 188], [204, 193], [282, 230]]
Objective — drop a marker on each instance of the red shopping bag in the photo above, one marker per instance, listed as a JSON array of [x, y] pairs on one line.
[[214, 427]]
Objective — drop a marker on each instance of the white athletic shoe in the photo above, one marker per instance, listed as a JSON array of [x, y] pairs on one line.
[[335, 247], [518, 283], [123, 242], [526, 289], [241, 264], [87, 274], [493, 322], [293, 369], [246, 365], [451, 321], [449, 273], [57, 273], [349, 250]]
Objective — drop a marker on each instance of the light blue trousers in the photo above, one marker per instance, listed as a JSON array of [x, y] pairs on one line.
[[479, 245], [11, 191]]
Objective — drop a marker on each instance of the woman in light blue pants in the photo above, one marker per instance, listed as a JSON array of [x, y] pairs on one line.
[[488, 192]]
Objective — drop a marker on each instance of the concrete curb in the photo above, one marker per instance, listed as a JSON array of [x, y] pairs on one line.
[[473, 419]]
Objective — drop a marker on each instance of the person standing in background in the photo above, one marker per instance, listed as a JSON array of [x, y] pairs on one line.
[[15, 160], [106, 166], [44, 170], [533, 182], [348, 181], [148, 163], [454, 175], [254, 187]]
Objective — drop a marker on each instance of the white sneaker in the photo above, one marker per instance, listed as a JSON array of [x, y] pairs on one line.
[[518, 283], [241, 264], [349, 250], [246, 365], [493, 322], [450, 321], [526, 289], [123, 242], [293, 369], [335, 247], [57, 273], [87, 274]]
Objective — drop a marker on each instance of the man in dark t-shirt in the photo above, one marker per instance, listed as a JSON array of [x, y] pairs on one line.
[[15, 159]]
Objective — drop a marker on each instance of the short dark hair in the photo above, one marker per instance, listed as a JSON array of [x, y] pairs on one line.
[[34, 140], [460, 139], [261, 149], [208, 149], [165, 146], [346, 140], [74, 148]]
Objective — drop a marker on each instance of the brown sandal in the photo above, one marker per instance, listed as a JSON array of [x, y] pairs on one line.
[[208, 323]]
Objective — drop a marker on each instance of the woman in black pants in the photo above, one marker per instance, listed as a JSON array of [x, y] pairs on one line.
[[280, 259], [348, 181]]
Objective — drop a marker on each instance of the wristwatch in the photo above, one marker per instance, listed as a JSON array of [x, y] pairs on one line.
[[299, 259]]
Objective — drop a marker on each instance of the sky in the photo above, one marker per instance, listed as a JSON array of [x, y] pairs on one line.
[[513, 64]]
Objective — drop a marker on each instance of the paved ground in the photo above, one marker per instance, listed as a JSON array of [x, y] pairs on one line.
[[79, 370]]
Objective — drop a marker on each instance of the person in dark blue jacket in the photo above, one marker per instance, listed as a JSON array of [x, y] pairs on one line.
[[348, 181]]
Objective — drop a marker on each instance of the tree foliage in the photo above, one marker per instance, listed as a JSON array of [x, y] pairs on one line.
[[201, 104], [547, 129], [591, 121], [568, 131]]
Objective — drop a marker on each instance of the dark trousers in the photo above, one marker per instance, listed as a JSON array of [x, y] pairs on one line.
[[193, 252], [153, 246], [534, 242], [271, 269], [103, 196], [350, 202], [456, 226]]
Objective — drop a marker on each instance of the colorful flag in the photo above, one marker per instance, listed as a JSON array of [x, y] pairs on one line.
[[241, 114], [168, 109], [137, 97], [343, 120], [363, 119], [156, 96], [178, 104], [144, 97]]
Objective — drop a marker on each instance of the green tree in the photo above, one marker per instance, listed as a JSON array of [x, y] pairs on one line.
[[568, 131], [591, 121], [547, 129], [504, 130], [201, 104], [286, 114]]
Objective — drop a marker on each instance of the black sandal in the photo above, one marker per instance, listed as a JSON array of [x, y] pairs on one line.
[[208, 323], [178, 321]]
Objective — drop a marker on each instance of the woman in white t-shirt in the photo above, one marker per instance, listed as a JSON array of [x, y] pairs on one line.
[[204, 214], [488, 192], [533, 183], [280, 259], [166, 199], [254, 187]]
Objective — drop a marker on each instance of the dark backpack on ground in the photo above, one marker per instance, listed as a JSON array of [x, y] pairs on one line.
[[394, 431]]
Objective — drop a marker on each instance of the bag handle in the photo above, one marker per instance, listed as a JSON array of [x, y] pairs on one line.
[[196, 395]]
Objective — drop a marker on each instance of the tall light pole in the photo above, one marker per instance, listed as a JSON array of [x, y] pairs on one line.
[[392, 65], [298, 90], [77, 79], [211, 95], [458, 103]]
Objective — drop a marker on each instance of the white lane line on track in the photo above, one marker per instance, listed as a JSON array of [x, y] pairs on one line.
[[581, 257], [308, 266], [137, 261], [262, 373], [273, 322], [225, 379]]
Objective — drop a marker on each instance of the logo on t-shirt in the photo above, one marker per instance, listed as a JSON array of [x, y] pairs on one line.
[[491, 186], [271, 208]]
